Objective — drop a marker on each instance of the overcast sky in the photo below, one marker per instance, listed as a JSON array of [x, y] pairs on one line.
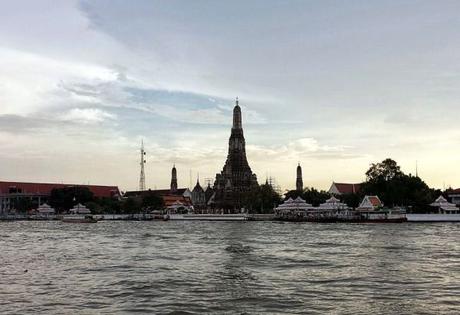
[[334, 85]]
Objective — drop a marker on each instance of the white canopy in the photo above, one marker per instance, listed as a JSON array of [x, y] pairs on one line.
[[291, 205], [441, 202], [80, 209], [332, 200], [45, 209], [444, 205], [333, 204]]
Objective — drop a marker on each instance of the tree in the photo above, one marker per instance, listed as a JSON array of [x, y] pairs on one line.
[[109, 205], [22, 205], [395, 188], [152, 201], [386, 170], [315, 197], [62, 199], [352, 200], [261, 199], [293, 194], [310, 195], [94, 207], [130, 205]]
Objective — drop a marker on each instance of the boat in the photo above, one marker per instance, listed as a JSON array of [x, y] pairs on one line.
[[78, 219], [79, 214], [159, 215], [180, 211], [207, 217]]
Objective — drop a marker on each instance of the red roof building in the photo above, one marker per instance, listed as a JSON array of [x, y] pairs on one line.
[[169, 200], [45, 189], [344, 188], [370, 203], [39, 192]]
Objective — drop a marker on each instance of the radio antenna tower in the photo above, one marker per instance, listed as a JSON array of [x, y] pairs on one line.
[[142, 177]]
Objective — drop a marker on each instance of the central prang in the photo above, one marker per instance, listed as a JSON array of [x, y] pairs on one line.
[[234, 183]]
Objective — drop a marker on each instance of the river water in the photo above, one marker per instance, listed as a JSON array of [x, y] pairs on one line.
[[229, 268]]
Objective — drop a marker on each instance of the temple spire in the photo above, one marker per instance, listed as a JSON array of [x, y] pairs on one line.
[[236, 179], [237, 116], [299, 180], [174, 179]]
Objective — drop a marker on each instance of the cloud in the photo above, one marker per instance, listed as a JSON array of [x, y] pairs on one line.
[[334, 85], [87, 115], [302, 148], [177, 106]]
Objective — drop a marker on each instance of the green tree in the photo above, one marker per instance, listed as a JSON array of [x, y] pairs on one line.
[[351, 200], [109, 205], [395, 188], [94, 207], [310, 195], [293, 194], [62, 199], [131, 205], [152, 201], [386, 170], [22, 205], [261, 199], [315, 197]]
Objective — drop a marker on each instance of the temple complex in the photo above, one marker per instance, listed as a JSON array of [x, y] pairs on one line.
[[236, 179]]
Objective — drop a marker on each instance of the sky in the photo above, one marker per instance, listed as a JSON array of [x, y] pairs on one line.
[[334, 85]]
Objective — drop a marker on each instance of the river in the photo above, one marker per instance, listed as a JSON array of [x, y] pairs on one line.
[[122, 267]]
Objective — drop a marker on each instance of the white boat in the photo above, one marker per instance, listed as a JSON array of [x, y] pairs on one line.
[[207, 217], [79, 214]]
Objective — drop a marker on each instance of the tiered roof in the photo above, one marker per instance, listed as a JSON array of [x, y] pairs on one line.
[[294, 204], [80, 209], [443, 204], [333, 204], [45, 209]]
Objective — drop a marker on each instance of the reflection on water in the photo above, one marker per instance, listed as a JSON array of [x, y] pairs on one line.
[[221, 267]]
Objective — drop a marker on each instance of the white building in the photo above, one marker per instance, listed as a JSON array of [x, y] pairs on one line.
[[370, 203], [333, 204], [444, 206], [455, 196]]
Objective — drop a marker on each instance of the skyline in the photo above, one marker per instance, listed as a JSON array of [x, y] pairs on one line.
[[335, 86]]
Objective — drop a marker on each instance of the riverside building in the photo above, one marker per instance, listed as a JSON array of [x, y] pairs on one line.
[[14, 193]]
